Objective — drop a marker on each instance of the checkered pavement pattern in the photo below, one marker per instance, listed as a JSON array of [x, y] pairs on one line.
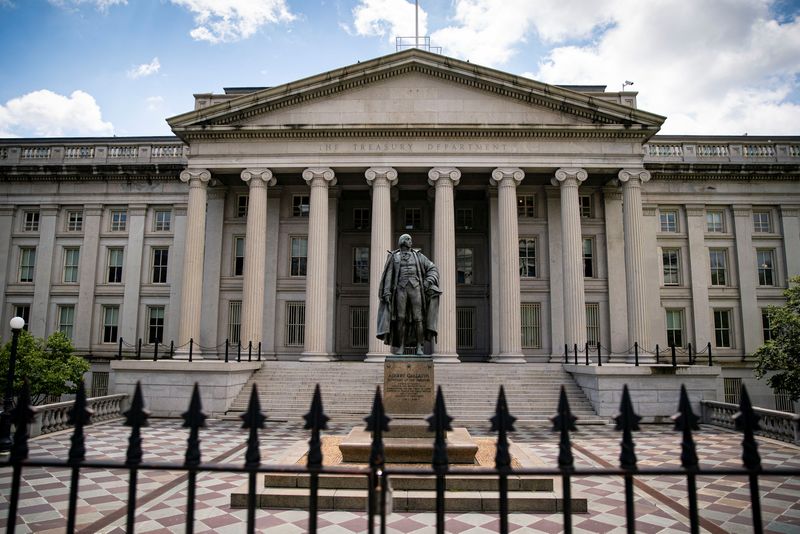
[[161, 500]]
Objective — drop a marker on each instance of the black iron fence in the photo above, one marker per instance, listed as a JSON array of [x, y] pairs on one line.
[[227, 351], [378, 473], [593, 353]]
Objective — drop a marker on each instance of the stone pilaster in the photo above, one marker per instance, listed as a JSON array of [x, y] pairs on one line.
[[698, 265], [92, 214], [6, 228], [748, 278], [134, 253], [192, 291], [255, 258], [790, 217], [444, 179], [554, 235], [43, 271], [635, 273], [615, 250], [572, 256], [506, 180], [210, 323], [316, 327], [381, 179], [172, 332]]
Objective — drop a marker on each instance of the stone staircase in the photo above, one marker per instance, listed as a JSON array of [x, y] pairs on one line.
[[470, 390]]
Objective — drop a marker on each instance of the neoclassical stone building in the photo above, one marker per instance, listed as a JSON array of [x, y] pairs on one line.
[[556, 216]]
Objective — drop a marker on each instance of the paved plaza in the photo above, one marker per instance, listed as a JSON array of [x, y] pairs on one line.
[[660, 501]]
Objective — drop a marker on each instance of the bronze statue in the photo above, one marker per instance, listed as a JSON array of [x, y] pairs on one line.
[[409, 293]]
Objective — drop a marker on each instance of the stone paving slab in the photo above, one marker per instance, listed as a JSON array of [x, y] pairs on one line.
[[724, 502]]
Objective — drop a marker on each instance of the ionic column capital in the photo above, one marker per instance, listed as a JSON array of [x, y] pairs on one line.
[[507, 176], [319, 175], [375, 174], [436, 174], [262, 176], [569, 176], [194, 176], [632, 175]]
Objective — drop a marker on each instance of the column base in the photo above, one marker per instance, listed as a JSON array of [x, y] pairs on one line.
[[445, 357], [183, 354], [376, 357], [508, 358], [316, 357]]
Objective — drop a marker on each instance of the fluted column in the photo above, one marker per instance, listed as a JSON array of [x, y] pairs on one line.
[[192, 291], [506, 180], [444, 179], [316, 326], [381, 179], [635, 269], [255, 257], [572, 256]]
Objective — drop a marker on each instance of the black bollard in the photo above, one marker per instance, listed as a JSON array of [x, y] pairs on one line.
[[709, 355], [575, 350], [259, 351], [586, 351], [226, 350], [599, 356], [250, 351], [636, 353], [139, 349], [566, 353], [657, 354], [191, 347], [239, 352], [171, 349], [691, 357], [674, 359], [119, 349], [155, 351]]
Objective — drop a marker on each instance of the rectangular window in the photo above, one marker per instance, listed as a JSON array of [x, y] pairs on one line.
[[119, 220], [71, 261], [114, 266], [299, 256], [238, 256], [586, 206], [732, 387], [675, 328], [160, 263], [531, 328], [722, 328], [718, 260], [464, 266], [360, 265], [593, 324], [110, 323], [300, 206], [359, 327], [74, 220], [66, 319], [761, 222], [464, 218], [24, 311], [588, 257], [162, 220], [241, 205], [99, 384], [155, 324], [526, 206], [527, 258], [766, 328], [413, 218], [30, 221], [668, 220], [465, 327], [783, 401], [670, 261], [766, 271], [27, 263], [295, 324], [714, 223], [361, 218], [234, 321]]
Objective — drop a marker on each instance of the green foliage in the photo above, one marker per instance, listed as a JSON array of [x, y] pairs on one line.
[[50, 365], [782, 352]]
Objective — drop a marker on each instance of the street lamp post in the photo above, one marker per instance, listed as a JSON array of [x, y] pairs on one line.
[[17, 323]]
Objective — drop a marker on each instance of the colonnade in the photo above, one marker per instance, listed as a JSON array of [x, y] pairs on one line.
[[444, 181]]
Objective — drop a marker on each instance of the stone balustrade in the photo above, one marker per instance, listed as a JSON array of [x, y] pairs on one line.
[[741, 151], [774, 424], [163, 151], [55, 417]]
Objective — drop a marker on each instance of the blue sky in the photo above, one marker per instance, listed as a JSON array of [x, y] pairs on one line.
[[117, 67]]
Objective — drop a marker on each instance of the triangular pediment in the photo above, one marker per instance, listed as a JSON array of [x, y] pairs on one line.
[[414, 89]]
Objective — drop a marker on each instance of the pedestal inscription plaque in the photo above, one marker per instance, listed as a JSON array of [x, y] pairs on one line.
[[408, 387]]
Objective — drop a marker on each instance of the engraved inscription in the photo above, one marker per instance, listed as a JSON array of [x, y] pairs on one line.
[[408, 387]]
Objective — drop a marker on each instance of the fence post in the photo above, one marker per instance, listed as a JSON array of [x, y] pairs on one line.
[[575, 350], [599, 356], [709, 355], [139, 349], [239, 352], [250, 351], [636, 353], [674, 358], [259, 351], [657, 354], [119, 349], [191, 348], [566, 353], [226, 350], [691, 358], [172, 349], [586, 351], [155, 351]]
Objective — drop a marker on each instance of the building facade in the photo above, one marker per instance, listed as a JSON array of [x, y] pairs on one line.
[[556, 215]]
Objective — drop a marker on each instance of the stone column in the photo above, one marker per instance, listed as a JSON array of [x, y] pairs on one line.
[[212, 268], [176, 265], [790, 217], [6, 229], [698, 266], [444, 179], [615, 249], [316, 327], [43, 271], [748, 278], [381, 179], [554, 258], [255, 258], [635, 273], [572, 256], [192, 290], [135, 269], [506, 180]]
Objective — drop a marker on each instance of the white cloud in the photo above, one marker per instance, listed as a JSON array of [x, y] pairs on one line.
[[387, 18], [101, 5], [145, 69], [221, 21], [154, 102], [44, 113]]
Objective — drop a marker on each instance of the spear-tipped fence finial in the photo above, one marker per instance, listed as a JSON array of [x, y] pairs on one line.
[[502, 423], [253, 419], [316, 421], [627, 421], [21, 416], [747, 421], [194, 419], [686, 421], [439, 423], [564, 422], [136, 418], [79, 416], [377, 423]]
